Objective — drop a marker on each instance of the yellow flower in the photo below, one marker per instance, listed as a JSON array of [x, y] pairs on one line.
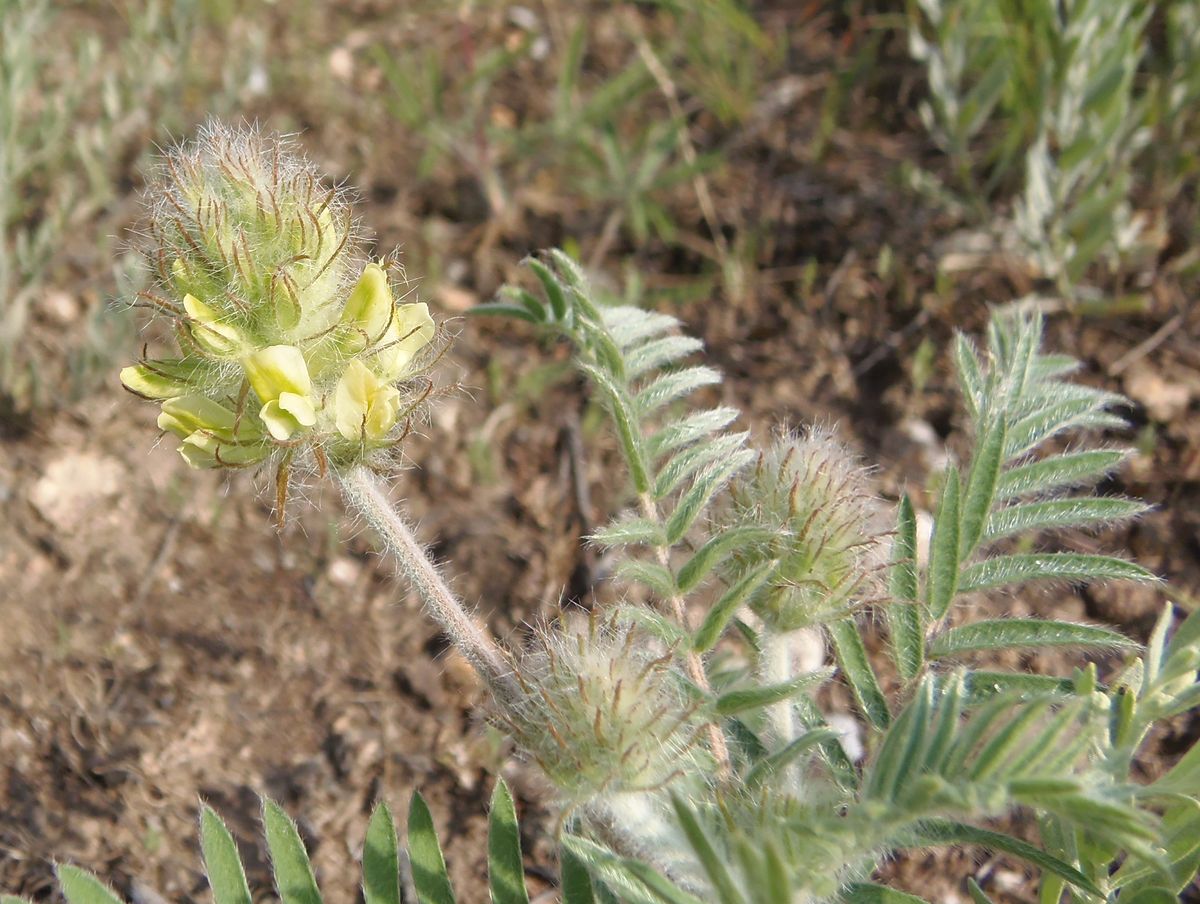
[[211, 433], [396, 333], [279, 377], [212, 334], [366, 407]]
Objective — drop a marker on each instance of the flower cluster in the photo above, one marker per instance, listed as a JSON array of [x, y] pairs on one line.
[[825, 526], [603, 712], [288, 343]]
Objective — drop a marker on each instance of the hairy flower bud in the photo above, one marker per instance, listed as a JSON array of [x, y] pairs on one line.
[[291, 345], [825, 525], [604, 711]]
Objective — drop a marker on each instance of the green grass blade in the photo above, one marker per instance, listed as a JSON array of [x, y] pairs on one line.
[[1058, 566], [289, 861], [425, 854], [506, 869], [81, 887], [381, 859], [943, 549], [856, 666], [221, 861], [1018, 633]]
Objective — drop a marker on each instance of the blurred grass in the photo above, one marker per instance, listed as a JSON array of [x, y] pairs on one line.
[[646, 135]]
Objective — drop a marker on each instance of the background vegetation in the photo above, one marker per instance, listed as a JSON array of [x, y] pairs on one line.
[[822, 191]]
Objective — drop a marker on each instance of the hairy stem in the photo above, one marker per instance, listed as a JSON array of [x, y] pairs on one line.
[[695, 667], [775, 667], [364, 494]]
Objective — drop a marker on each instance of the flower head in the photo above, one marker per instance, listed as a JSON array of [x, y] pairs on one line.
[[290, 344], [604, 712], [826, 530]]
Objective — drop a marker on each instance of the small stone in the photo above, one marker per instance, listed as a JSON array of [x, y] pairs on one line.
[[74, 486], [456, 299], [1163, 400], [344, 571], [341, 64], [60, 307]]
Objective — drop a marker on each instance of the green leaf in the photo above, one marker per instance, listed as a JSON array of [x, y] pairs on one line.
[[620, 408], [576, 883], [901, 748], [1058, 566], [723, 610], [1150, 896], [981, 487], [222, 864], [947, 832], [1059, 472], [1033, 429], [970, 374], [983, 685], [690, 429], [977, 893], [733, 702], [629, 325], [943, 549], [554, 290], [658, 353], [870, 893], [381, 859], [856, 666], [630, 532], [506, 870], [653, 575], [707, 485], [502, 309], [1058, 513], [717, 872], [635, 881], [776, 762], [715, 551], [425, 854], [688, 461], [672, 386], [81, 887], [293, 872], [905, 630], [1017, 633]]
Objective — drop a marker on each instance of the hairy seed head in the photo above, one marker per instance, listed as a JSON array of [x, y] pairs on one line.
[[811, 493], [604, 711]]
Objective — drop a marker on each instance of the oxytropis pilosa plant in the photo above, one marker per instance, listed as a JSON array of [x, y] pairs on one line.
[[682, 738]]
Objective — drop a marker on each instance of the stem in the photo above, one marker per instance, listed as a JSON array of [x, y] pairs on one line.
[[364, 494], [695, 667], [775, 667]]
